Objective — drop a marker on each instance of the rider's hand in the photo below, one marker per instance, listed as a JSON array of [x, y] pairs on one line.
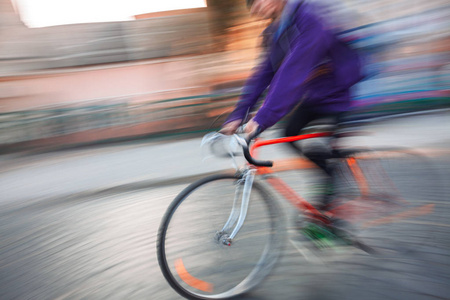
[[251, 127], [230, 127]]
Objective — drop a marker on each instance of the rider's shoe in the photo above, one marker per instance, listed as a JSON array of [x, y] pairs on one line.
[[335, 233]]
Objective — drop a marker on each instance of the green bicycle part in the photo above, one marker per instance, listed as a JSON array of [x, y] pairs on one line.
[[321, 236]]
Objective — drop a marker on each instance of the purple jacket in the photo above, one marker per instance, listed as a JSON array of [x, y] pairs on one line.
[[300, 47]]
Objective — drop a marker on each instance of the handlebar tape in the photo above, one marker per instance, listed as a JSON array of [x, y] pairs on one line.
[[251, 160], [247, 155]]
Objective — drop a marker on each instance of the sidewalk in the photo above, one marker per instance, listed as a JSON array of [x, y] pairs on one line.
[[141, 164]]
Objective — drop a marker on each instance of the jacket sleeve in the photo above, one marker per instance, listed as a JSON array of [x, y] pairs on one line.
[[285, 92], [254, 87]]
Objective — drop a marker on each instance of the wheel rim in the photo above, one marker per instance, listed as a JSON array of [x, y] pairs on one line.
[[198, 264]]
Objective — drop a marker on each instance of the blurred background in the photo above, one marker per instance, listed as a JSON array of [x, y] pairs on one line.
[[77, 72], [138, 82]]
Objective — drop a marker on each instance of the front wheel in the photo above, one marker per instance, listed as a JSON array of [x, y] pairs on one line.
[[192, 250]]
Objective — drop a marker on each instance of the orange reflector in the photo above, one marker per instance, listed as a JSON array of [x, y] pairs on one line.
[[191, 280]]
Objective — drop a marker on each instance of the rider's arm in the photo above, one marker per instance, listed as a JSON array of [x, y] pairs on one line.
[[286, 87], [252, 91]]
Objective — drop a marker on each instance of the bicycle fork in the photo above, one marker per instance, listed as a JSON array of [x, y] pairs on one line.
[[238, 214]]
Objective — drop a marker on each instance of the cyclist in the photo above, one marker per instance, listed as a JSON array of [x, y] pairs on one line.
[[306, 69]]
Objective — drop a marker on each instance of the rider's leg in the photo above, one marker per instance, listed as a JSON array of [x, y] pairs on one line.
[[299, 119]]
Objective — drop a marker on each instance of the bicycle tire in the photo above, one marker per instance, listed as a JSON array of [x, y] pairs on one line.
[[199, 276], [401, 193]]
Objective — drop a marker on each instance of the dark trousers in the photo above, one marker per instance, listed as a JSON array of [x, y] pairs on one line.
[[299, 119]]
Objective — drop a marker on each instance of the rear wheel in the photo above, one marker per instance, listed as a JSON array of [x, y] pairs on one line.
[[389, 195], [192, 250]]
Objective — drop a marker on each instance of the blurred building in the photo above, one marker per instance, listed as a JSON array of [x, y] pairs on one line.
[[178, 71], [408, 45], [80, 83]]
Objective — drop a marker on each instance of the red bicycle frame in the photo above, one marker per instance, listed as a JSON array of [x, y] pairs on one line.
[[287, 192], [278, 184]]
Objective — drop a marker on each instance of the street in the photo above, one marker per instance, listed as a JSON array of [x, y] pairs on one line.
[[82, 224]]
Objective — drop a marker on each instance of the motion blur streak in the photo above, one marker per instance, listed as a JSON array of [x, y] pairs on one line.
[[178, 71], [75, 221]]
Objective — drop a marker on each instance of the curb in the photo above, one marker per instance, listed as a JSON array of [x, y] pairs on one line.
[[281, 165], [107, 191]]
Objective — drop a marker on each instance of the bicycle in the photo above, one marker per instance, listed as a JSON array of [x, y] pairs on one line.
[[222, 235]]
